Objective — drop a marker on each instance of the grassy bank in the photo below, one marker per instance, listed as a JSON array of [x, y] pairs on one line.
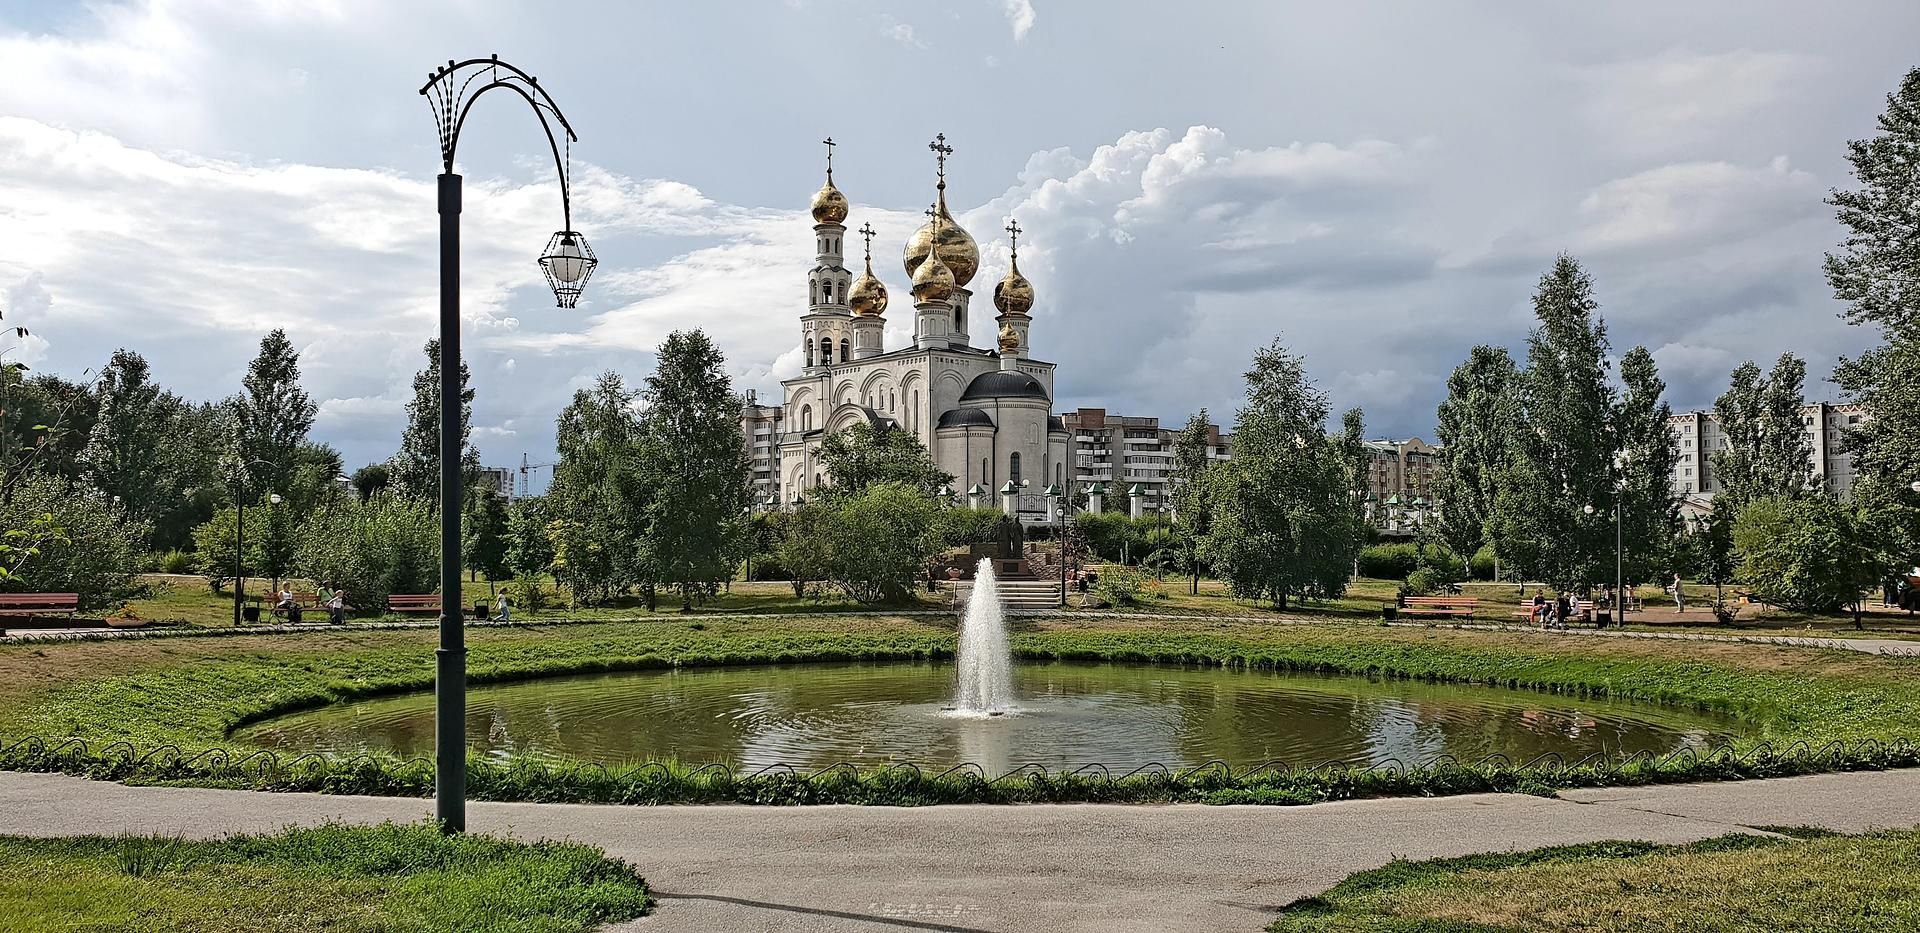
[[332, 878], [169, 700], [1732, 883]]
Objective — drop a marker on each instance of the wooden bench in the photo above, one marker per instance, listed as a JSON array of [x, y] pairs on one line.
[[1582, 608], [429, 603], [32, 605], [308, 602], [1462, 606]]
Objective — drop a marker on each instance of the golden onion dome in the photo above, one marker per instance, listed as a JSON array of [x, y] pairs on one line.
[[957, 249], [1013, 294], [932, 280], [1009, 339], [829, 205], [868, 296]]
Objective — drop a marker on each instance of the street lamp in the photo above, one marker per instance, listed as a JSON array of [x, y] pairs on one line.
[[1915, 485], [567, 262]]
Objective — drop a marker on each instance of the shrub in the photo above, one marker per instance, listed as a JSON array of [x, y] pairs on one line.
[[174, 561], [1389, 561], [963, 526], [372, 549], [1423, 581], [1806, 553], [1482, 565], [69, 540], [1121, 586], [527, 593], [879, 541]]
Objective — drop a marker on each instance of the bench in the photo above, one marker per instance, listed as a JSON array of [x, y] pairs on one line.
[[1582, 608], [1439, 606], [308, 602], [32, 605], [429, 603]]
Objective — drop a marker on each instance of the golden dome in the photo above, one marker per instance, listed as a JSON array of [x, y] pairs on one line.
[[1013, 294], [932, 280], [957, 249], [829, 205], [868, 296], [1009, 339]]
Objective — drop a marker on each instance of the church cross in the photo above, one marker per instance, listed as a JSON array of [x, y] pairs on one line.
[[829, 143], [940, 152], [1014, 231], [866, 233]]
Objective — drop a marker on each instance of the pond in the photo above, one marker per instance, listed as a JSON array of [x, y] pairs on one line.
[[1066, 715]]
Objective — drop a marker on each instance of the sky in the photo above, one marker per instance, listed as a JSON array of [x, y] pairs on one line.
[[1378, 185]]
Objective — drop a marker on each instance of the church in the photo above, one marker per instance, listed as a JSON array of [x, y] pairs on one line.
[[985, 415]]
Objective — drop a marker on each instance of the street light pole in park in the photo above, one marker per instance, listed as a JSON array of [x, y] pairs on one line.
[[567, 262]]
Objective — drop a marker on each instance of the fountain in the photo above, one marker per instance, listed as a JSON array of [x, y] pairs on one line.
[[984, 659]]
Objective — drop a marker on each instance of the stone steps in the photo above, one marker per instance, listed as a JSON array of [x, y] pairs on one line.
[[1017, 593]]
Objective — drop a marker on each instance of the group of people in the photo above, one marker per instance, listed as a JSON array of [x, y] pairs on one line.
[[1552, 613], [331, 599]]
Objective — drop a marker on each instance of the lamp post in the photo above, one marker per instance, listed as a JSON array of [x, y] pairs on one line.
[[567, 264]]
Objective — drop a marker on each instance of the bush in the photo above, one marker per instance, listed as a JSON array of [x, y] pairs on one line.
[[1389, 561], [1121, 586], [80, 542], [1424, 581], [527, 593], [963, 526], [1482, 565], [1806, 553], [173, 561], [879, 542], [372, 549]]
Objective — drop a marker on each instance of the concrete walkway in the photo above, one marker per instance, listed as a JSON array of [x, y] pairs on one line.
[[1008, 868]]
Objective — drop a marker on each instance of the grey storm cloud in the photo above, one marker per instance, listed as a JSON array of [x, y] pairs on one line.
[[1376, 184]]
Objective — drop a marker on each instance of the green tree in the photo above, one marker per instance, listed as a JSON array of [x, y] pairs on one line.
[[1766, 452], [1649, 513], [80, 542], [272, 414], [485, 535], [799, 545], [1562, 448], [48, 424], [529, 553], [373, 549], [863, 454], [696, 467], [274, 547], [213, 548], [371, 479], [595, 510], [1188, 484], [879, 541], [1806, 553], [130, 428], [1475, 431], [415, 470], [1283, 517]]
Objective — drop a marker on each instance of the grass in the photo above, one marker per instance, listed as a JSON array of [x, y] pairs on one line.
[[192, 693], [333, 878], [1813, 882]]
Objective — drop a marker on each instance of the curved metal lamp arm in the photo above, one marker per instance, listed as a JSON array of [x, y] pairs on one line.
[[450, 94]]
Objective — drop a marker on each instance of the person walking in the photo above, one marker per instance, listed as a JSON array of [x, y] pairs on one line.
[[337, 606], [503, 608], [1679, 598]]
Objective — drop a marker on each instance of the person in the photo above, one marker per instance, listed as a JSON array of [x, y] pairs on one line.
[[1562, 609], [1538, 614], [503, 608], [337, 606], [1679, 598]]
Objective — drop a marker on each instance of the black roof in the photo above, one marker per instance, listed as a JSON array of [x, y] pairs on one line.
[[1056, 423], [1004, 383], [962, 417]]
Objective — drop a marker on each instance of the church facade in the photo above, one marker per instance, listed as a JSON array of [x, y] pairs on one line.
[[985, 415]]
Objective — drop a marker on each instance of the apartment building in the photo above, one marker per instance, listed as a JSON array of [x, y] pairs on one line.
[[1123, 451], [1697, 435], [760, 426]]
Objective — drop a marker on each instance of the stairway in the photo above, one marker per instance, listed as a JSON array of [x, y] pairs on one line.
[[1017, 594]]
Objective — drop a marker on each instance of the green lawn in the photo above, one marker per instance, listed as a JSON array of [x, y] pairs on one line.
[[1823, 883], [332, 878]]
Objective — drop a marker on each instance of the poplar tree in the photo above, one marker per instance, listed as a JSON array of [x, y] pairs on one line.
[[415, 470], [1876, 272], [1766, 452], [696, 467], [1649, 513], [1561, 454], [1475, 428], [128, 431], [595, 508], [1188, 484]]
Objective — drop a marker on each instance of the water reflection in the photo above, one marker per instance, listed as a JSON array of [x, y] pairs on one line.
[[1067, 715]]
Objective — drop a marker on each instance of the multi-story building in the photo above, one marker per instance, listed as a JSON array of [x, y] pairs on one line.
[[500, 480], [1400, 478], [1124, 451], [760, 424], [1697, 435]]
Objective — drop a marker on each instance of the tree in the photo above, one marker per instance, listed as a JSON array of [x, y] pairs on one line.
[[1809, 553], [371, 479], [799, 545], [1188, 482], [79, 542], [213, 548], [275, 544], [1649, 513], [595, 510], [1284, 523], [415, 470], [1475, 431], [1766, 452], [484, 535], [879, 541], [1561, 450], [1877, 272], [49, 422], [129, 430], [372, 549], [863, 455], [529, 553], [696, 467], [272, 414]]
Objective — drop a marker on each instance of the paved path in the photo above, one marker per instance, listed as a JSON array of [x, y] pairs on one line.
[[1066, 867]]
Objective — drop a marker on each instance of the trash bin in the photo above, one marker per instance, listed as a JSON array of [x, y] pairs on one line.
[[1388, 613], [249, 613], [481, 610]]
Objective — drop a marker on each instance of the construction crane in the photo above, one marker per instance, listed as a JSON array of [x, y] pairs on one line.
[[526, 469]]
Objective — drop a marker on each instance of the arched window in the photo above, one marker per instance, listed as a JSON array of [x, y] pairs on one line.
[[1013, 468], [891, 400], [845, 349], [806, 417], [826, 291], [809, 345], [985, 477], [815, 287], [826, 350]]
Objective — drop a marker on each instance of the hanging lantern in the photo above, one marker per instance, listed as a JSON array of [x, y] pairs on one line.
[[568, 262]]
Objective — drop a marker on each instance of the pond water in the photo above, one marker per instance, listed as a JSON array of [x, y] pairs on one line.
[[1066, 715]]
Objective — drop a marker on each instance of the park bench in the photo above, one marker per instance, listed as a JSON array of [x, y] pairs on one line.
[[1582, 609], [1462, 606], [32, 605], [308, 602], [428, 603]]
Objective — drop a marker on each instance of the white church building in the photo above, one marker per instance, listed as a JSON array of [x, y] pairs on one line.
[[984, 414]]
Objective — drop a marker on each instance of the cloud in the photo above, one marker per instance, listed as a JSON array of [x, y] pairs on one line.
[[1020, 17], [1680, 96], [900, 32]]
